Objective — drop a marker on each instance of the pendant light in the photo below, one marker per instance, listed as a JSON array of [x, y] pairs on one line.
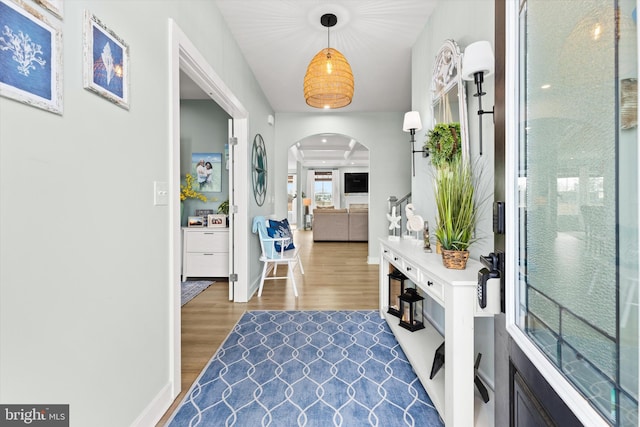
[[329, 81]]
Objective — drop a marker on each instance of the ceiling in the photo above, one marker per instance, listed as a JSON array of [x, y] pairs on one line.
[[278, 38], [328, 151]]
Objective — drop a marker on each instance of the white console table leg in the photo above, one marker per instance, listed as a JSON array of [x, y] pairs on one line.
[[459, 356]]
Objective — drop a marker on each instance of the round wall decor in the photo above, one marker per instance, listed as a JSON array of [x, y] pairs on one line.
[[259, 169]]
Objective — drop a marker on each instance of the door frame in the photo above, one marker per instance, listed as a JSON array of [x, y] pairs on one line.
[[183, 55], [567, 393]]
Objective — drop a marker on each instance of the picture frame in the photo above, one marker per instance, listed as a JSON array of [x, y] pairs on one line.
[[106, 62], [195, 221], [628, 103], [204, 213], [34, 79], [54, 6], [207, 171], [217, 221]]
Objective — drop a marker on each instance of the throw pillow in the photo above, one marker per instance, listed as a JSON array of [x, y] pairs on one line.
[[281, 229]]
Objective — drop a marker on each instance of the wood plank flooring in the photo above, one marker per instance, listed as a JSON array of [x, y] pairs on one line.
[[337, 277]]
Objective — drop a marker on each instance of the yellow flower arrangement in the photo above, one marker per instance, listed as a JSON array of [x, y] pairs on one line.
[[187, 191]]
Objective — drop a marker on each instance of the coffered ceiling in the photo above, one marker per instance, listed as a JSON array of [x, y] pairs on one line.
[[327, 151]]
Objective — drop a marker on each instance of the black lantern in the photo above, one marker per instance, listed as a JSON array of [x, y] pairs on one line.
[[396, 288], [411, 309]]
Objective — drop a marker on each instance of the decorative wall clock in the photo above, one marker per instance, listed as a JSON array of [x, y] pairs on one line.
[[259, 169]]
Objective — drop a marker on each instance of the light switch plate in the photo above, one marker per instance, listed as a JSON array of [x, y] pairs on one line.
[[160, 193]]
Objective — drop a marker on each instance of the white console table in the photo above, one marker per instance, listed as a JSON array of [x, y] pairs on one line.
[[452, 391], [205, 252]]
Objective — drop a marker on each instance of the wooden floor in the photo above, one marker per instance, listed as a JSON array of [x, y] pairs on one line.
[[337, 277]]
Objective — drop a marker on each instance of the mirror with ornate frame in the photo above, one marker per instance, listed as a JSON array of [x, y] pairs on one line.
[[449, 99]]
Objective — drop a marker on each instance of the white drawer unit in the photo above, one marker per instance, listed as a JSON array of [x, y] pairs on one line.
[[205, 252], [434, 288]]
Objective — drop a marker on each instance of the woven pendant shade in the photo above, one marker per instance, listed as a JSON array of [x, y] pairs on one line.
[[329, 81]]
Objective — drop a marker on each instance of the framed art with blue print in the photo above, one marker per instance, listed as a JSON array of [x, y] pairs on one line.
[[30, 56], [106, 62], [281, 229]]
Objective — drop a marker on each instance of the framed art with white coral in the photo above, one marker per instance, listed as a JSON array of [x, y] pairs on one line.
[[106, 62], [30, 56]]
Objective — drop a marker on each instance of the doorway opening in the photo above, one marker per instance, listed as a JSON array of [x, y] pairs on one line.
[[317, 166], [187, 59]]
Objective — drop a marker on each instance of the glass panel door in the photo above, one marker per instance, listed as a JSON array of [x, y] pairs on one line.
[[577, 196]]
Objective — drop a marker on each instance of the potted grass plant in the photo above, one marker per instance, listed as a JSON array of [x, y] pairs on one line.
[[455, 198]]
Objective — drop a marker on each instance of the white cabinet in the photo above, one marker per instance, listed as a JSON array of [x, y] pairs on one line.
[[205, 252], [452, 391]]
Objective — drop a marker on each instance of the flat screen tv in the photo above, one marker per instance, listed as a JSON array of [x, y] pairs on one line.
[[356, 182]]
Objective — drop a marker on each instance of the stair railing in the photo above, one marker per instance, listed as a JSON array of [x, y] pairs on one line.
[[400, 205]]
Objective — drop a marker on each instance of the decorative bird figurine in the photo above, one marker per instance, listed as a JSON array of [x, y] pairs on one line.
[[414, 222]]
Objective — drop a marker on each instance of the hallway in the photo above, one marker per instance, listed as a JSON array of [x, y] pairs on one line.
[[337, 277]]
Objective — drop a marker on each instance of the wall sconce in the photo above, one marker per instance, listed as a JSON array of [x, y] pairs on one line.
[[478, 63], [411, 124]]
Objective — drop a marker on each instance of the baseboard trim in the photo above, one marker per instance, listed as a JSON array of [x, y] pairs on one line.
[[156, 409], [253, 288]]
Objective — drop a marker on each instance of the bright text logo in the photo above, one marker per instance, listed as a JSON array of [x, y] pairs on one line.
[[34, 415]]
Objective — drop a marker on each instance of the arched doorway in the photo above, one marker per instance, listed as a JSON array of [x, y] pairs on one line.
[[317, 164]]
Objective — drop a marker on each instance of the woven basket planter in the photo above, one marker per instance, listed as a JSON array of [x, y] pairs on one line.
[[456, 260]]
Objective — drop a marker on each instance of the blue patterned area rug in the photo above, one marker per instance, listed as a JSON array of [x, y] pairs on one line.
[[308, 368], [189, 290]]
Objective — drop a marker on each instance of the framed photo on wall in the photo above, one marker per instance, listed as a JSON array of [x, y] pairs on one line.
[[30, 56], [207, 169], [106, 62]]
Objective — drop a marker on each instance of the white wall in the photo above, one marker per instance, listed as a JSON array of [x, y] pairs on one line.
[[389, 161], [464, 21], [84, 253]]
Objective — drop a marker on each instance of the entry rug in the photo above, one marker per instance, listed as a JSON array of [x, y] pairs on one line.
[[189, 290], [308, 368]]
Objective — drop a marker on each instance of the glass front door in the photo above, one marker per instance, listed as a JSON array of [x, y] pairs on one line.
[[575, 260]]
